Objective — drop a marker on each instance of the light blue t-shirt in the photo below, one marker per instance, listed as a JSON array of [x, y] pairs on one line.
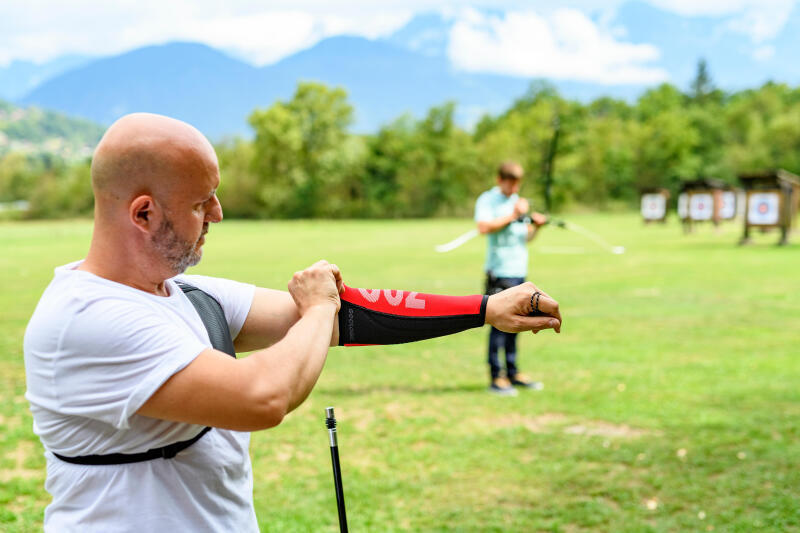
[[507, 251]]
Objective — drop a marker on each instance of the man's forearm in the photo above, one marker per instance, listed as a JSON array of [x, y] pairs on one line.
[[291, 367], [394, 317], [492, 226]]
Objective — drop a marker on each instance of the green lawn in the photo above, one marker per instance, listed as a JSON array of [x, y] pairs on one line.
[[671, 400]]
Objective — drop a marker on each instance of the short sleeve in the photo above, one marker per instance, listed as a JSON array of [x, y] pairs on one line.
[[484, 211], [235, 297], [113, 355]]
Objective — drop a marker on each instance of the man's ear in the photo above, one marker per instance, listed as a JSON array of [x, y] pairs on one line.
[[144, 212]]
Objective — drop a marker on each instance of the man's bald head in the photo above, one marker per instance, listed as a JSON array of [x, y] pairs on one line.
[[143, 153]]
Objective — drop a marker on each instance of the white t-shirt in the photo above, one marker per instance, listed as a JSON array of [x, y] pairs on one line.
[[95, 351]]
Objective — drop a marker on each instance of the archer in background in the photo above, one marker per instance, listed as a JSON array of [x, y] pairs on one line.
[[503, 216]]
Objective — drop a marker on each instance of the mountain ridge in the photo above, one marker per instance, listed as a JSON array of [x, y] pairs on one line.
[[408, 71]]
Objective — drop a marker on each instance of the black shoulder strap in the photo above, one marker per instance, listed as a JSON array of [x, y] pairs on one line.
[[213, 318], [219, 334]]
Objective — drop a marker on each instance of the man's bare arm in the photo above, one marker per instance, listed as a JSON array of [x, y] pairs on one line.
[[258, 391], [271, 315], [491, 226]]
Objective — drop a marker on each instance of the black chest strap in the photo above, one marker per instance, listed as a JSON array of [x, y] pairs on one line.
[[219, 334]]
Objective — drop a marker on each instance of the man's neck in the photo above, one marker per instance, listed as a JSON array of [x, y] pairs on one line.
[[107, 264]]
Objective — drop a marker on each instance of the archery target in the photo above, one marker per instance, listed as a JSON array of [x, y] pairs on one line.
[[683, 205], [654, 206], [701, 206], [763, 208], [727, 209]]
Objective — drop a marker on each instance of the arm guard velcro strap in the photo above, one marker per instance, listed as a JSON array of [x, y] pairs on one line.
[[394, 317]]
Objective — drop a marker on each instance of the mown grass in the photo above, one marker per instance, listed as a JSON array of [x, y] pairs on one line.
[[671, 398]]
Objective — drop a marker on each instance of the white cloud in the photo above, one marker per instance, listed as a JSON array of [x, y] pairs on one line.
[[264, 32], [565, 44], [39, 29], [763, 53], [761, 20]]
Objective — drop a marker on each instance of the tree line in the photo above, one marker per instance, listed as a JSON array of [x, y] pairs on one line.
[[303, 161]]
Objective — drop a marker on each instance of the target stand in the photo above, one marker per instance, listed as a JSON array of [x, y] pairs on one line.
[[654, 204], [771, 202], [705, 200]]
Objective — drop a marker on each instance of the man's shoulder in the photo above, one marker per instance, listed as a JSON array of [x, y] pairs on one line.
[[487, 197], [235, 297], [215, 286], [74, 305], [66, 298]]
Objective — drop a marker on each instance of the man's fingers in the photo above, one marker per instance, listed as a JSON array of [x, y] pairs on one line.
[[549, 306], [546, 304], [538, 323], [337, 275]]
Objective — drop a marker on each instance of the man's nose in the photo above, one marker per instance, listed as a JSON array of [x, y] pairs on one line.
[[215, 213]]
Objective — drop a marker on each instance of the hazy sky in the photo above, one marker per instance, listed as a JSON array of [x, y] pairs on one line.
[[578, 39]]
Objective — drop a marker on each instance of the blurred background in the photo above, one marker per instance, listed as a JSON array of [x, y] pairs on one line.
[[403, 109]]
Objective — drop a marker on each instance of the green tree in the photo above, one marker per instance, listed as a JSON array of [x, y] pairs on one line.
[[62, 191], [701, 86], [441, 165], [239, 189], [385, 162], [420, 168], [18, 175], [297, 149]]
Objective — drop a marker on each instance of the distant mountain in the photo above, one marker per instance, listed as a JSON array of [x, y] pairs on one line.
[[216, 93], [189, 81], [36, 130], [384, 81], [408, 71], [20, 77]]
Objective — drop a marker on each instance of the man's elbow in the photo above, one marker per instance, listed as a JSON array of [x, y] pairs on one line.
[[267, 408]]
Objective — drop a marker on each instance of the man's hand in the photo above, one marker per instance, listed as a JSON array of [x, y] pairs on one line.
[[521, 207], [319, 284], [509, 310], [538, 219]]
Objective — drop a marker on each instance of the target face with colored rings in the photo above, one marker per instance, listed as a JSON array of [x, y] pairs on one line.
[[654, 206], [763, 208], [701, 206]]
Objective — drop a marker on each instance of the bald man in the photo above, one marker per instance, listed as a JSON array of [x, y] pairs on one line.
[[122, 377]]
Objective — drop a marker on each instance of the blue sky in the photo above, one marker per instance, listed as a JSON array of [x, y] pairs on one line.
[[606, 43]]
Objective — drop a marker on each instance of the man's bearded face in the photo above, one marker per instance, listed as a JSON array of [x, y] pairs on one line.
[[180, 254]]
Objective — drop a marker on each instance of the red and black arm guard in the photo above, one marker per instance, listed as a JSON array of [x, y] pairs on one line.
[[394, 317]]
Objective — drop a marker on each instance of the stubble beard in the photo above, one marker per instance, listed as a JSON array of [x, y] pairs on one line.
[[179, 254]]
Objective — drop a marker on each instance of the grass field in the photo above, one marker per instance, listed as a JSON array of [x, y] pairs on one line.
[[671, 400]]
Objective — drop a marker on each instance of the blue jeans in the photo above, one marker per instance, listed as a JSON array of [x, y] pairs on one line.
[[500, 339]]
